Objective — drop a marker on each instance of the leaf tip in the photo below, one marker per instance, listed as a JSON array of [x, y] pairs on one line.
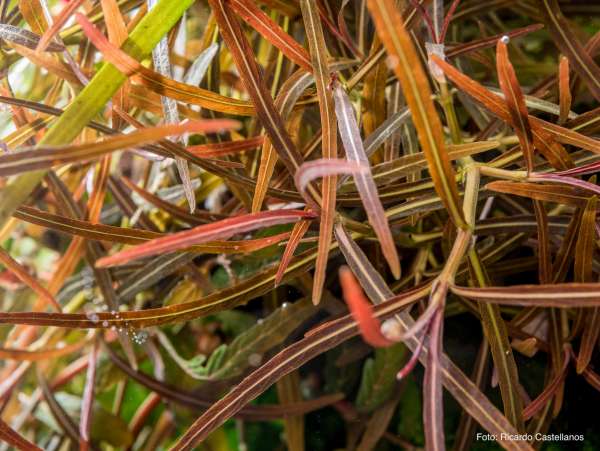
[[361, 310]]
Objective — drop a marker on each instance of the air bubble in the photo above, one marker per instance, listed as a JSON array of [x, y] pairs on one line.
[[391, 329], [140, 337], [254, 359], [392, 61], [93, 317], [285, 305], [90, 313]]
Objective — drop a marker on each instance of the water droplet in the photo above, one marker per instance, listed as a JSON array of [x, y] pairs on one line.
[[259, 321], [285, 305], [104, 323], [505, 39]]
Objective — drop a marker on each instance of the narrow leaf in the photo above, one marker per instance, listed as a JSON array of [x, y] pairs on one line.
[[112, 234], [47, 157], [225, 148], [564, 295], [549, 391], [564, 90], [203, 233], [240, 293], [25, 38], [58, 23], [568, 43], [93, 99], [494, 104], [515, 102], [552, 193], [489, 41], [364, 182], [497, 336], [314, 169], [407, 67], [361, 310], [265, 109], [300, 228], [159, 83], [326, 337], [433, 410], [261, 22], [21, 273], [584, 255], [322, 74], [10, 436], [87, 400]]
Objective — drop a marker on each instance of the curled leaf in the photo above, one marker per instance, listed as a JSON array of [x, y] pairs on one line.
[[364, 181]]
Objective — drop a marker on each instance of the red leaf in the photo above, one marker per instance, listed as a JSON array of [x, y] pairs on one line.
[[361, 310], [206, 232]]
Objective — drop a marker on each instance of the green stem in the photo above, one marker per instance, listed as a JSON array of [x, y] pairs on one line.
[[493, 324], [95, 96], [450, 113]]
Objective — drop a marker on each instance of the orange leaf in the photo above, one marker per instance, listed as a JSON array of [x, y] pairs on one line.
[[515, 101], [361, 310], [415, 85]]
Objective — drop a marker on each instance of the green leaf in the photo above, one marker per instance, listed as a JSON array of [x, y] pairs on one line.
[[95, 96], [379, 377], [247, 349]]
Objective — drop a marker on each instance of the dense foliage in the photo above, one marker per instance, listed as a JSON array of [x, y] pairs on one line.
[[299, 224]]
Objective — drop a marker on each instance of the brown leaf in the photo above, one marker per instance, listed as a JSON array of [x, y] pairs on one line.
[[408, 68], [515, 102]]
